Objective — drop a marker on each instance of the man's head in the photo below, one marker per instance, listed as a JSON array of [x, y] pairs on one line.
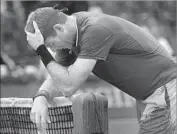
[[57, 28]]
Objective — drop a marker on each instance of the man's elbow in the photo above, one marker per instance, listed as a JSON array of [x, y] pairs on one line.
[[70, 91]]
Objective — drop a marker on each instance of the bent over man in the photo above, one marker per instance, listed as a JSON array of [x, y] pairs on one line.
[[116, 50]]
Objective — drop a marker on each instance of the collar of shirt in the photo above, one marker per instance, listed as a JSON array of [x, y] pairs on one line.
[[75, 49], [77, 36]]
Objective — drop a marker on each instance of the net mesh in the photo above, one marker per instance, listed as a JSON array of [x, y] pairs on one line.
[[84, 113], [15, 119]]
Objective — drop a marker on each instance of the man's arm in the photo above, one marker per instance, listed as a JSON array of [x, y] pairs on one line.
[[69, 79], [50, 86]]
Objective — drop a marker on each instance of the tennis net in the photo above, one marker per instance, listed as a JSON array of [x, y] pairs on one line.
[[85, 114]]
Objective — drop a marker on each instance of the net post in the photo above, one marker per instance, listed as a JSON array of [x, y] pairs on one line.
[[90, 114]]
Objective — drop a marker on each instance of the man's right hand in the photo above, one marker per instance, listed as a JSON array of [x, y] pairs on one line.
[[39, 113]]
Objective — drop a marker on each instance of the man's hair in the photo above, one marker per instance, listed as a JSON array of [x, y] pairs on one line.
[[45, 18]]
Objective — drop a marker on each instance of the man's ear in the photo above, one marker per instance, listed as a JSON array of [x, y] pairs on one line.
[[58, 28]]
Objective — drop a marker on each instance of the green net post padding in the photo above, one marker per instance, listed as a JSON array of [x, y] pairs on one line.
[[90, 114]]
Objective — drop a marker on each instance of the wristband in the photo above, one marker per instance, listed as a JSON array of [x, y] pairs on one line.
[[44, 54], [42, 93]]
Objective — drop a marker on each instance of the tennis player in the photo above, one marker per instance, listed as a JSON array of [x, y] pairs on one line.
[[115, 50]]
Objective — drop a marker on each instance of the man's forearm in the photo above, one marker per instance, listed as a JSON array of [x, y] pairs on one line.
[[71, 78], [67, 79], [62, 78], [49, 86], [57, 85]]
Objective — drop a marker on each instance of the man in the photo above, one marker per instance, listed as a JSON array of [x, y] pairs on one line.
[[115, 50]]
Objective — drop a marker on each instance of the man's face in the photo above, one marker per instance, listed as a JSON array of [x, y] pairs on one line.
[[59, 39]]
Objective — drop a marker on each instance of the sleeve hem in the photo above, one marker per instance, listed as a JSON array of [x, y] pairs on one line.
[[91, 57]]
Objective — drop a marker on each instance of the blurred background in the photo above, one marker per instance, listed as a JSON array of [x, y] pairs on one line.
[[22, 72]]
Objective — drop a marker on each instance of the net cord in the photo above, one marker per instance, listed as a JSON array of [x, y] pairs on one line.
[[28, 102]]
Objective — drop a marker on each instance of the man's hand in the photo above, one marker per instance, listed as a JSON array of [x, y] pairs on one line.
[[36, 39], [39, 113]]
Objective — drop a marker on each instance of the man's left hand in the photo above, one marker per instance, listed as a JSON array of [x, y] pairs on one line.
[[35, 39]]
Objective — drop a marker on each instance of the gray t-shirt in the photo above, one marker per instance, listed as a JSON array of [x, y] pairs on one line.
[[128, 57]]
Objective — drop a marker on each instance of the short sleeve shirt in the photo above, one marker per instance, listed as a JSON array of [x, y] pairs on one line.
[[127, 56]]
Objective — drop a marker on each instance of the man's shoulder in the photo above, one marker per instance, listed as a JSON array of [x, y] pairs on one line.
[[90, 17], [99, 20], [81, 14]]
